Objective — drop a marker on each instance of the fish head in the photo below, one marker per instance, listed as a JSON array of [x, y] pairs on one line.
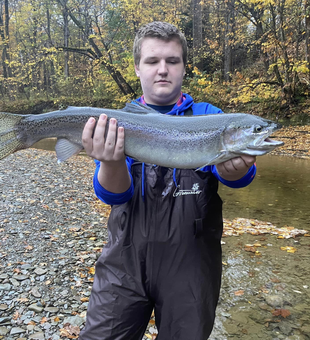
[[250, 135]]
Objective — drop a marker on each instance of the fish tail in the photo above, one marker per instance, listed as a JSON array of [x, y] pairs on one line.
[[9, 141]]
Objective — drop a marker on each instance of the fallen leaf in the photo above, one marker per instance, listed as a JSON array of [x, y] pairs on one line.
[[281, 312], [16, 316], [70, 331], [289, 249], [239, 292], [43, 320], [91, 270]]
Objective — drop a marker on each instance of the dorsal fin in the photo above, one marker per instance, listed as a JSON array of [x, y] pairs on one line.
[[137, 107]]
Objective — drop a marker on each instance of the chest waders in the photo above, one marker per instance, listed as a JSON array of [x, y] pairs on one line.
[[163, 252]]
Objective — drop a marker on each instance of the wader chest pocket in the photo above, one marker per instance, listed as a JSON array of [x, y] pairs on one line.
[[210, 227]]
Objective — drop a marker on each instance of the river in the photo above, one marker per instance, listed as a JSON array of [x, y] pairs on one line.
[[280, 193]]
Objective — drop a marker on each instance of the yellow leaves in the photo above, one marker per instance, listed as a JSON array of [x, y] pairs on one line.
[[239, 226], [253, 248], [196, 71], [301, 67], [91, 270], [239, 293], [289, 249]]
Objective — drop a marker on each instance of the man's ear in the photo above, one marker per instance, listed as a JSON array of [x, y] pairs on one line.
[[137, 71]]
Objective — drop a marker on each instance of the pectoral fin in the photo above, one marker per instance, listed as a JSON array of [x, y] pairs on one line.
[[220, 157], [65, 149]]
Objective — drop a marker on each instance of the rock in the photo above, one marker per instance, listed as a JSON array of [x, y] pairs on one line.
[[35, 308], [20, 277], [232, 329], [40, 271], [3, 306], [74, 320], [51, 309], [17, 330], [14, 282], [285, 328], [37, 336], [35, 292], [3, 331], [5, 286], [306, 329], [274, 300], [5, 320]]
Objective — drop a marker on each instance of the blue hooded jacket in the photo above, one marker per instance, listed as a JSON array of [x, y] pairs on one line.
[[198, 109]]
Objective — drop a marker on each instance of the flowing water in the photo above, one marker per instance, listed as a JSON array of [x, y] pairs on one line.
[[265, 295], [280, 193]]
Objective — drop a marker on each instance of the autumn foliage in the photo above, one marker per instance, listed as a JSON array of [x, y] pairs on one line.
[[251, 54]]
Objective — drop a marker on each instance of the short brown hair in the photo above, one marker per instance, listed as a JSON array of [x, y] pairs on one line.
[[160, 30]]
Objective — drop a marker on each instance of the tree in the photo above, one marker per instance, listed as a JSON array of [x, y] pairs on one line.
[[5, 37]]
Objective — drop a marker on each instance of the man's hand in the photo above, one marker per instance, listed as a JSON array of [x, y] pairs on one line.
[[235, 168], [95, 145], [113, 174]]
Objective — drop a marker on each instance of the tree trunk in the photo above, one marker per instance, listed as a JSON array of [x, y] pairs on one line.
[[197, 34], [228, 50], [5, 35], [66, 39], [307, 35]]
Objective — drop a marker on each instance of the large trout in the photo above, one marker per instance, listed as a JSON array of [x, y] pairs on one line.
[[186, 142]]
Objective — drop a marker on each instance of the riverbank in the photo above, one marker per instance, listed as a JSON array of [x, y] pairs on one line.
[[296, 141], [52, 230]]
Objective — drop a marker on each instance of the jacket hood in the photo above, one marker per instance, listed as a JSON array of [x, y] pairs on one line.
[[179, 110]]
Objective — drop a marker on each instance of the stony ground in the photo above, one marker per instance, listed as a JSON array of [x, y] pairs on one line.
[[52, 230]]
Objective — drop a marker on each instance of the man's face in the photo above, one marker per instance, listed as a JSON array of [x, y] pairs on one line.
[[161, 71]]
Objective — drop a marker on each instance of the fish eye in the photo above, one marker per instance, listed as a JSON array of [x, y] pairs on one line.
[[258, 128]]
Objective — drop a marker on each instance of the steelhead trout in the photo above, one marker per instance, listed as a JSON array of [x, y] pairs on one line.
[[186, 142]]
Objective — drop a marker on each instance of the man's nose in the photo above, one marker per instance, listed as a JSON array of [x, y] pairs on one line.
[[162, 69]]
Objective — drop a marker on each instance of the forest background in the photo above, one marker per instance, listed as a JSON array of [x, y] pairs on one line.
[[244, 55]]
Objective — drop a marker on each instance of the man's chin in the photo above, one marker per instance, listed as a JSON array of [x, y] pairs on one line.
[[166, 96]]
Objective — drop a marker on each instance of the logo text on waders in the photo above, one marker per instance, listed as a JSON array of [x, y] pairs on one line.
[[194, 191]]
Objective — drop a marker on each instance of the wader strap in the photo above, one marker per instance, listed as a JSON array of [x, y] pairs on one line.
[[188, 111]]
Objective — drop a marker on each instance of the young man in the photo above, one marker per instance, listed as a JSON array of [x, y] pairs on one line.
[[165, 226]]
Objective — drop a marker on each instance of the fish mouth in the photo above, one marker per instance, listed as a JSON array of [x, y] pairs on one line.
[[265, 144]]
